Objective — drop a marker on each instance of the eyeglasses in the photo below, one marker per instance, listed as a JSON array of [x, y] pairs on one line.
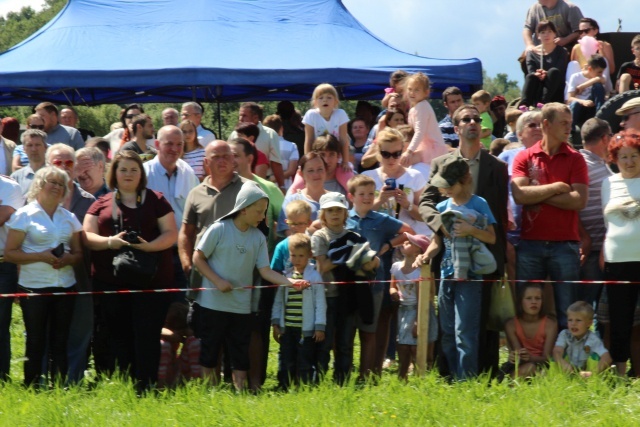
[[130, 116], [476, 119], [585, 31], [388, 154], [41, 127], [65, 163], [626, 116], [56, 183], [534, 125]]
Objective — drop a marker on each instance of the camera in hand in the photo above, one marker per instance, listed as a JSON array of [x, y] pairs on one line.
[[131, 236]]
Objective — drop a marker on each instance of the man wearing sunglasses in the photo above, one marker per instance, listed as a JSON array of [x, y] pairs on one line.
[[630, 115], [490, 181], [55, 131]]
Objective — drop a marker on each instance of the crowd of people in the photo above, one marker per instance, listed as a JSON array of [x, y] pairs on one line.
[[310, 227]]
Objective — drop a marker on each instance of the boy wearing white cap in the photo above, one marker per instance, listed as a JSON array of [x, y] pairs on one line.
[[226, 256]]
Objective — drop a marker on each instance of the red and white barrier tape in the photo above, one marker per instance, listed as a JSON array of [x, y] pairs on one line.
[[173, 290]]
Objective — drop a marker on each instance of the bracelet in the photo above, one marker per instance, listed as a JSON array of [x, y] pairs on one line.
[[109, 242]]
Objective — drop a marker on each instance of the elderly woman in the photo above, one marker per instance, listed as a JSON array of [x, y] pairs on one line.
[[134, 320], [44, 239], [20, 158], [314, 172], [620, 202]]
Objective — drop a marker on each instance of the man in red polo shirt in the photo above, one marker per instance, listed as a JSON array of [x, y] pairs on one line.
[[550, 179]]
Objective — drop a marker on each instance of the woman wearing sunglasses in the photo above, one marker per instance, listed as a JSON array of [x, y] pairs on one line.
[[20, 158], [122, 135], [587, 46], [398, 188], [589, 27]]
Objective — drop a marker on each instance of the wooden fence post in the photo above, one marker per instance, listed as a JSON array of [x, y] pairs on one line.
[[424, 305]]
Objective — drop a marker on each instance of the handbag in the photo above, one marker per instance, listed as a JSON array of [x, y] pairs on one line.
[[502, 306], [132, 266]]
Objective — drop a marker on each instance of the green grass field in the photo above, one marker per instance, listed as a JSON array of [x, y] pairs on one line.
[[553, 399]]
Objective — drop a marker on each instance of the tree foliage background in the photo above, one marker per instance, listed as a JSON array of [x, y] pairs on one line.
[[17, 26]]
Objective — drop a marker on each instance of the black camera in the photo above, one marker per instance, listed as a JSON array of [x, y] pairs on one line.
[[131, 237]]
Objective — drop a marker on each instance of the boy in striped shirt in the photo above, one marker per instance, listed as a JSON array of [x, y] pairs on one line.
[[299, 317]]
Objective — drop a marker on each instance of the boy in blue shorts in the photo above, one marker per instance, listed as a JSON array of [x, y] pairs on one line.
[[226, 257]]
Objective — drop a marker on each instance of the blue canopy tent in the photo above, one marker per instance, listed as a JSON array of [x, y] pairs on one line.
[[120, 51]]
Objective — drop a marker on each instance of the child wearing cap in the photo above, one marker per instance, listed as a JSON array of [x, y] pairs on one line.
[[404, 288], [226, 257], [333, 216], [459, 301]]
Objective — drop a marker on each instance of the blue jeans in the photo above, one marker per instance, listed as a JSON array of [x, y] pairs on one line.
[[8, 285], [560, 261], [296, 358], [459, 308], [580, 113]]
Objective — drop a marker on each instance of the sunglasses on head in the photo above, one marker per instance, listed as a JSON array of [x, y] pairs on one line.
[[476, 119], [41, 127], [66, 163], [388, 154]]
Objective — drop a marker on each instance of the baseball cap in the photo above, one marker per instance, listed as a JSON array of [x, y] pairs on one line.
[[420, 240], [333, 200], [450, 172]]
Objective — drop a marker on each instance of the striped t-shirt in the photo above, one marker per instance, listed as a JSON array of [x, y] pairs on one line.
[[591, 216], [293, 306]]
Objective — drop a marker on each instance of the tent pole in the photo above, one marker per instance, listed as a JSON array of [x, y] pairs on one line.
[[219, 120]]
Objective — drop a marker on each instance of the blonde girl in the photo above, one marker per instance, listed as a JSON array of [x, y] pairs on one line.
[[427, 142], [326, 118]]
